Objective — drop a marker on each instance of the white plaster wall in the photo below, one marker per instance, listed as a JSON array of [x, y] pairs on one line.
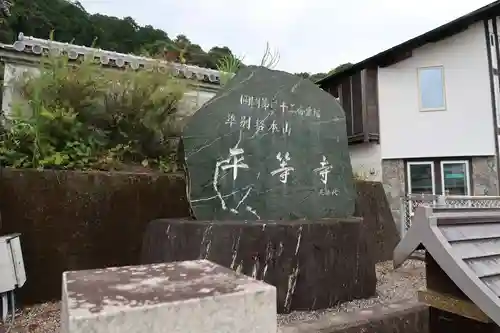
[[366, 161], [465, 128], [11, 74], [193, 100]]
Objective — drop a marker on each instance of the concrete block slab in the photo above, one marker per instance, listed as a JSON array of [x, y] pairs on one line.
[[191, 296]]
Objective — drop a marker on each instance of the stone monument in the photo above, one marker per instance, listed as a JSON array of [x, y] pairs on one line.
[[270, 146], [272, 192]]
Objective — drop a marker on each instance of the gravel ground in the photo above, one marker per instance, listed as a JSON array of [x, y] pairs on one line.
[[392, 285], [42, 318]]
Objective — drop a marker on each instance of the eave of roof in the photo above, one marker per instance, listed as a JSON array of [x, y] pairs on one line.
[[444, 31], [425, 231]]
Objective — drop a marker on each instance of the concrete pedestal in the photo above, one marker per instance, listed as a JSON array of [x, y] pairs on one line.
[[191, 296]]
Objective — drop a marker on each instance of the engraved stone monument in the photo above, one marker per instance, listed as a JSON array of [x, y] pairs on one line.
[[270, 146], [272, 193]]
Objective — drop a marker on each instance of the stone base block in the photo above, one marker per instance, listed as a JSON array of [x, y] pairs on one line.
[[379, 230], [191, 296], [313, 265], [401, 317]]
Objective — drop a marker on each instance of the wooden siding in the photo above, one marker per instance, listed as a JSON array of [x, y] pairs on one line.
[[371, 101], [358, 95], [357, 104]]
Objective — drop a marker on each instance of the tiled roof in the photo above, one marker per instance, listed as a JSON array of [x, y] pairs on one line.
[[36, 46], [466, 245]]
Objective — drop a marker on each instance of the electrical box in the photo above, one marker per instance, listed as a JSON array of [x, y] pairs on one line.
[[12, 273]]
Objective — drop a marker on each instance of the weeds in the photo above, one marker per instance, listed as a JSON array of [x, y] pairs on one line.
[[84, 117]]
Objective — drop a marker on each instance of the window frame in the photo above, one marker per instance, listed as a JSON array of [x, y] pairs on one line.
[[443, 86], [467, 174], [409, 164]]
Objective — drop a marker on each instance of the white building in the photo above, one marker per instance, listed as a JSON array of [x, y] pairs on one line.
[[422, 117], [24, 55]]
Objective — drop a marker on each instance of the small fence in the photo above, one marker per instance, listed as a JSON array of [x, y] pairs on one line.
[[410, 202]]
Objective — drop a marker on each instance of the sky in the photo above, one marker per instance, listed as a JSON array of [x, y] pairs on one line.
[[310, 35]]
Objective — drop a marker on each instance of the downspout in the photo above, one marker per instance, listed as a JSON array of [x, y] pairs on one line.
[[492, 88]]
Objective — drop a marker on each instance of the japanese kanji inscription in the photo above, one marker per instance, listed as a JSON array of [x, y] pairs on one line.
[[269, 145]]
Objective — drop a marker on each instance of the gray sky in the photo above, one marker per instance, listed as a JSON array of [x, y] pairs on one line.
[[311, 35]]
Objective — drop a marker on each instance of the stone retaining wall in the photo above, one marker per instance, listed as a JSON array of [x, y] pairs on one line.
[[84, 220], [77, 220]]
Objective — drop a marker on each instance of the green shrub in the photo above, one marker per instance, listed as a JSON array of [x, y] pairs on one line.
[[85, 117]]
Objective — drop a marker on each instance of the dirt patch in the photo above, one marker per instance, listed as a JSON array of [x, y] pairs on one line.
[[41, 318], [393, 285]]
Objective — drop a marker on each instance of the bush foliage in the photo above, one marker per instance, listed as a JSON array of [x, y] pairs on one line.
[[85, 117]]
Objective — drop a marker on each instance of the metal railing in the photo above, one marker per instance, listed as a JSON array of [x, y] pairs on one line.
[[410, 202]]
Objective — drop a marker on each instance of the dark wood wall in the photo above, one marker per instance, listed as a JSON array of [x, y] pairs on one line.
[[358, 95]]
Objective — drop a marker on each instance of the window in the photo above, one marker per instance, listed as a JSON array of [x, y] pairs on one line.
[[439, 176], [421, 178], [432, 95], [455, 177]]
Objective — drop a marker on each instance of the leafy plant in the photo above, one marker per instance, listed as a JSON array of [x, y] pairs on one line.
[[228, 65], [82, 116]]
